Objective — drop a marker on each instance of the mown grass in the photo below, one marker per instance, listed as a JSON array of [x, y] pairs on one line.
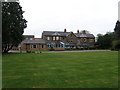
[[61, 70]]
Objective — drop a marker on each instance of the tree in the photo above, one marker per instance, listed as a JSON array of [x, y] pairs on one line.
[[117, 30], [105, 41], [116, 42], [13, 25]]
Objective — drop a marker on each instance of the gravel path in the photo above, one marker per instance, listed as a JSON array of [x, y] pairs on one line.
[[13, 51], [78, 51]]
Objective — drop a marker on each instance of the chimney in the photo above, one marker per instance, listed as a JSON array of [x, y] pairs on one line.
[[65, 30], [84, 31], [78, 31]]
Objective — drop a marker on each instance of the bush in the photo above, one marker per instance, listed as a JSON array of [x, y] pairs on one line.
[[51, 49], [28, 51], [116, 45]]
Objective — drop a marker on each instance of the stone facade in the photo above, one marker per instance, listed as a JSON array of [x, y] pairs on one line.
[[56, 39]]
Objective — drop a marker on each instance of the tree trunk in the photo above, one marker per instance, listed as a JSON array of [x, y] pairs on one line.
[[7, 48]]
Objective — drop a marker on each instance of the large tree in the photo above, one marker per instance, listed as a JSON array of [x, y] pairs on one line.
[[13, 25], [105, 41], [116, 42], [117, 30]]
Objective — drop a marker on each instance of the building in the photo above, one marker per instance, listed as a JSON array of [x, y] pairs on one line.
[[58, 40], [62, 40], [31, 43]]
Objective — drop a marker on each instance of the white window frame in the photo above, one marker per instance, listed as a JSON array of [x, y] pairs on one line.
[[48, 38], [57, 37], [60, 38], [54, 38], [31, 39]]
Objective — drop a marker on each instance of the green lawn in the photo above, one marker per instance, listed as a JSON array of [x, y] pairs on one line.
[[61, 70]]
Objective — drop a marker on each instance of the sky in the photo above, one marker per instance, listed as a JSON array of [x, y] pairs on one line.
[[96, 16]]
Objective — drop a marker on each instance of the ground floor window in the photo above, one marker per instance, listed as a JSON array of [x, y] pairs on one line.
[[55, 45], [33, 46], [42, 46]]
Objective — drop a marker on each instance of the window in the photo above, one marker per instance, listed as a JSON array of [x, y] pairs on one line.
[[33, 46], [42, 46], [53, 38], [85, 39], [48, 45], [91, 40], [48, 38], [30, 38], [57, 38], [60, 38], [26, 38]]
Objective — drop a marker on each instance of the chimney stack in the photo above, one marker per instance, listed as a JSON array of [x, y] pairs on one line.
[[84, 31], [78, 31], [65, 30]]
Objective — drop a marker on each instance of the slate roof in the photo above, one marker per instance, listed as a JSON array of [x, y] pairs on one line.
[[28, 36], [54, 33], [58, 33], [84, 35], [38, 41]]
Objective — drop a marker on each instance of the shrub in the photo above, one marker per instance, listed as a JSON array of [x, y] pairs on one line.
[[51, 49], [28, 51], [116, 45]]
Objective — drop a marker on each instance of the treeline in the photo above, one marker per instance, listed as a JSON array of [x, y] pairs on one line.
[[111, 40]]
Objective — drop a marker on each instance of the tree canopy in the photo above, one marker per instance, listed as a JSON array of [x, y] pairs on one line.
[[117, 30], [13, 25], [111, 40], [105, 41]]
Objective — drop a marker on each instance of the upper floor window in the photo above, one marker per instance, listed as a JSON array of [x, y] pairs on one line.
[[91, 40], [48, 38], [57, 38], [30, 38], [60, 38], [26, 38], [53, 38], [85, 39]]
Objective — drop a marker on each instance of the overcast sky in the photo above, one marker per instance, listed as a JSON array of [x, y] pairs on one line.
[[96, 16]]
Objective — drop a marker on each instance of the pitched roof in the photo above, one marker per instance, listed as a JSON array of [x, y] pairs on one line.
[[60, 33], [35, 41], [54, 33], [84, 35], [28, 36]]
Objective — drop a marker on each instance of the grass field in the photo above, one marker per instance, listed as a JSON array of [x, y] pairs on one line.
[[61, 70]]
